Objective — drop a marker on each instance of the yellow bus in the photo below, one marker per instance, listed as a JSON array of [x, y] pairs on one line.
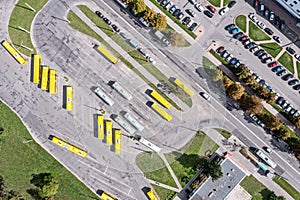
[[160, 99], [37, 59], [107, 54], [67, 146], [100, 120], [14, 52], [152, 195], [161, 112], [44, 82], [185, 88], [52, 81], [108, 128], [69, 97], [117, 141], [106, 196]]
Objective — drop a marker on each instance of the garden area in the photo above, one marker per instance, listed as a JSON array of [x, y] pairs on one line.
[[287, 61]]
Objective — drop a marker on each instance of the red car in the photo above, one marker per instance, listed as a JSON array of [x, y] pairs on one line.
[[244, 38], [212, 9], [273, 64]]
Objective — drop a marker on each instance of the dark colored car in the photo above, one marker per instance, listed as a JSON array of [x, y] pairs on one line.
[[266, 13], [238, 35], [99, 14], [180, 15], [287, 77], [277, 21], [190, 12], [277, 69], [186, 20], [220, 49], [229, 27], [211, 9], [293, 82], [176, 12], [250, 45], [115, 28], [291, 50], [107, 21], [193, 26], [261, 7], [269, 31], [282, 25], [208, 13], [233, 61], [231, 4], [282, 72], [164, 3], [259, 52], [296, 87]]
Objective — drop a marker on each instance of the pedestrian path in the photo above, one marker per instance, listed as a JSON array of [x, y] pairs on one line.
[[164, 186]]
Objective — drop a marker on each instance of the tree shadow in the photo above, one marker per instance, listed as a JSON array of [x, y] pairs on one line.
[[193, 161], [34, 193], [265, 193], [40, 179]]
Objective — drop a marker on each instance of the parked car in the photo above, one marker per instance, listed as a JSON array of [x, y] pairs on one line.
[[272, 16], [234, 31], [115, 28], [282, 72], [277, 39], [99, 14], [250, 45], [123, 35], [190, 12], [269, 31], [277, 21], [212, 9], [164, 3], [169, 5], [254, 49], [287, 77], [223, 11], [296, 87], [244, 38], [267, 60], [149, 59], [259, 52], [291, 50], [193, 26], [277, 69], [293, 82], [225, 54], [263, 56], [208, 13], [205, 96], [233, 61], [273, 64], [173, 9], [166, 41], [186, 20], [107, 21], [237, 64], [231, 4], [253, 18], [267, 149], [282, 25], [238, 35], [253, 117], [199, 7], [261, 25], [180, 15], [192, 1], [228, 58], [266, 13], [261, 7], [220, 49], [176, 12], [230, 27], [143, 52], [297, 56]]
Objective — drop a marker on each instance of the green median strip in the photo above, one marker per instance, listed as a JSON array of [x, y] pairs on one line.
[[240, 21], [191, 33], [164, 193], [256, 34], [298, 69], [77, 24], [20, 24], [139, 58], [216, 3], [272, 48], [287, 61], [287, 187]]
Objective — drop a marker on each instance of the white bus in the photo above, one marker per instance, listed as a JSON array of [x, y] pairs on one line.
[[134, 122], [121, 91], [127, 127], [104, 97]]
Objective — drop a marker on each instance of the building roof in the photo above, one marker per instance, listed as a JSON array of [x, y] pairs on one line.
[[293, 6], [219, 189]]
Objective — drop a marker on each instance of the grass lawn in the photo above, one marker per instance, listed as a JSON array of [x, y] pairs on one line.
[[77, 24], [255, 188], [22, 16], [154, 168], [191, 33], [184, 161], [164, 193], [256, 34], [224, 133], [225, 2], [287, 187], [216, 3], [298, 69], [240, 21], [19, 161], [138, 57], [207, 63], [265, 111], [272, 48], [287, 61]]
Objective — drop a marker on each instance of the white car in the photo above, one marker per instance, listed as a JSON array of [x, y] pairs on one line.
[[229, 57], [205, 96], [253, 18], [149, 59], [297, 56], [199, 7], [223, 11], [261, 25]]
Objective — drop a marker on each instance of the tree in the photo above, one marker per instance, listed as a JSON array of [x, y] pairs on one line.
[[252, 104], [296, 121], [6, 194], [49, 190], [149, 15], [1, 130], [227, 82], [213, 169], [177, 39], [138, 6], [262, 92], [273, 196], [271, 98], [127, 1], [159, 22], [217, 74], [283, 132], [271, 121], [235, 91], [249, 80]]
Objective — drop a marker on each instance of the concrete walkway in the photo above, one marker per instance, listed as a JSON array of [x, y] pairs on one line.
[[164, 185]]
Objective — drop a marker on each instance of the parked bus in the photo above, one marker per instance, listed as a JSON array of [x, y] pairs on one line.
[[107, 54], [121, 91], [149, 144], [265, 158], [44, 82], [69, 97], [124, 125], [52, 81], [17, 56], [134, 122], [185, 88], [117, 141], [67, 146], [152, 195], [106, 196], [108, 128], [161, 112], [100, 128], [37, 59], [160, 99], [104, 97]]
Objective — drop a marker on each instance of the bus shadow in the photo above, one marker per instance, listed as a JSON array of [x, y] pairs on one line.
[[64, 101], [95, 125], [31, 68]]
